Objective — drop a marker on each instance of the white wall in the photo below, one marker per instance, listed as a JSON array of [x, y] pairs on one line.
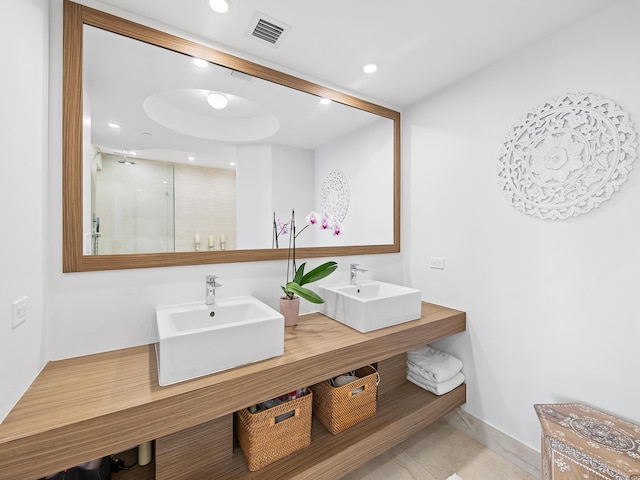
[[553, 306], [254, 207], [292, 180], [23, 134]]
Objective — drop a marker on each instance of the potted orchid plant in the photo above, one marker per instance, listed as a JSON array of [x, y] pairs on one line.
[[296, 276]]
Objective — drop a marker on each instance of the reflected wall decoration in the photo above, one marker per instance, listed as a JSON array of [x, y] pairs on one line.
[[566, 156], [334, 195]]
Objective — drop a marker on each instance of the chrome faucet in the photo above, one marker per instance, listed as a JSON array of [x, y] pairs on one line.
[[211, 289], [354, 268]]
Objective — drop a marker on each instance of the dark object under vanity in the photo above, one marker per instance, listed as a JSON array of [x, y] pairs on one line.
[[96, 470]]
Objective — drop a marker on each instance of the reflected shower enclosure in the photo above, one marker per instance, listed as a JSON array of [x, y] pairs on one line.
[[148, 206], [134, 202]]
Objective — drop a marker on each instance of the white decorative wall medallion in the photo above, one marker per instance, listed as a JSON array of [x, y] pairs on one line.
[[334, 195], [567, 156]]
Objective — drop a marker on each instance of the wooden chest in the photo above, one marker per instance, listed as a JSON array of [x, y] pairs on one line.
[[582, 443]]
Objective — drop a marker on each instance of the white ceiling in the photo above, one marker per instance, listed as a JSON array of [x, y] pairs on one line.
[[420, 45]]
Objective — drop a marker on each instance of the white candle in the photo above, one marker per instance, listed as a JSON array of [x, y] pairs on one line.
[[197, 238], [211, 240], [222, 238]]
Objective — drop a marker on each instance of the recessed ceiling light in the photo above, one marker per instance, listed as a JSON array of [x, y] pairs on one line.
[[191, 159], [114, 125], [199, 62], [217, 101], [325, 101], [219, 6], [370, 68]]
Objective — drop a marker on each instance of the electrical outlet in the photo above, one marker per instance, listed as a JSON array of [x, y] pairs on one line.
[[19, 312], [436, 262]]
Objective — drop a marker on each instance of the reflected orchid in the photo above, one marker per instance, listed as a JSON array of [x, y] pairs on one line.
[[312, 218]]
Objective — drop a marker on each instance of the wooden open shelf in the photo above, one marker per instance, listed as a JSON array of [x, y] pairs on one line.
[[401, 413], [84, 408]]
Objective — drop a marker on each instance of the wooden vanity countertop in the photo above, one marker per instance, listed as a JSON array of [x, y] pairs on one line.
[[109, 402]]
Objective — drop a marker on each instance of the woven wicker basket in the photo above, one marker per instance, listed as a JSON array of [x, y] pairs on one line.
[[270, 435], [339, 408]]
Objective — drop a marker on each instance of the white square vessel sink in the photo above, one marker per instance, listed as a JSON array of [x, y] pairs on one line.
[[198, 339], [371, 305]]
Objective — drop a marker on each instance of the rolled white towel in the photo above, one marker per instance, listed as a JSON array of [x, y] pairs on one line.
[[434, 365], [438, 388]]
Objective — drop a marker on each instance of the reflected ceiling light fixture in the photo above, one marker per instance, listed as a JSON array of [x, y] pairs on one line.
[[370, 68], [220, 6], [114, 125], [199, 62], [191, 159], [217, 101], [325, 101]]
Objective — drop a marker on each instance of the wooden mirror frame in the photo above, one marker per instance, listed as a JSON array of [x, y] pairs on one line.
[[73, 258]]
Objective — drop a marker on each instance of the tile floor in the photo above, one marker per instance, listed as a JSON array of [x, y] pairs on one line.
[[435, 453]]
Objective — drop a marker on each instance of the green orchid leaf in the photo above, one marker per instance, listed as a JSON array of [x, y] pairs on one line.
[[305, 293], [299, 274], [289, 288], [318, 273], [287, 293]]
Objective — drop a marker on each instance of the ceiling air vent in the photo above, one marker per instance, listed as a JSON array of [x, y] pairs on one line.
[[268, 29]]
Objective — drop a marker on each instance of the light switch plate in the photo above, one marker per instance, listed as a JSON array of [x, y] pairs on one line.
[[19, 311], [436, 262]]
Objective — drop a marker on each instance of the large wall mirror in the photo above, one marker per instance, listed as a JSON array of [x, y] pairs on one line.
[[157, 174]]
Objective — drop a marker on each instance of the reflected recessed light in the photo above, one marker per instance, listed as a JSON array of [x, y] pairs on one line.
[[370, 68], [325, 101], [114, 125], [219, 6], [217, 100], [232, 164], [191, 159], [199, 62]]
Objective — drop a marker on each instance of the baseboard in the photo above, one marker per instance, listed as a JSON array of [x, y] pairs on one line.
[[507, 447]]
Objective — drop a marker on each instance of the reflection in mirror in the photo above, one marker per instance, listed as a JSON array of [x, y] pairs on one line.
[[160, 171]]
